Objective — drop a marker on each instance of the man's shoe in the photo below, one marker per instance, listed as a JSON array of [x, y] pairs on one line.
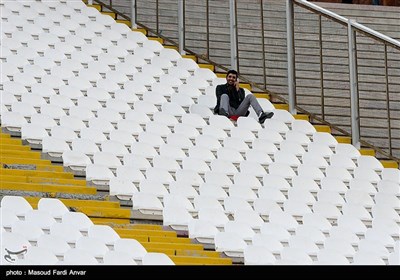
[[265, 116], [222, 112]]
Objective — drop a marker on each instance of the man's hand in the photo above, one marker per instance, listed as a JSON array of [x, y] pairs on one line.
[[237, 85]]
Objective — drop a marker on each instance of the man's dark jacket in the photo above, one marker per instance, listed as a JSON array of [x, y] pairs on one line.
[[235, 97]]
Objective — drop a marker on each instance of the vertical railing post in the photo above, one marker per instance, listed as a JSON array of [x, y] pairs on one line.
[[133, 14], [291, 56], [388, 100], [181, 25], [321, 68], [157, 18], [233, 34], [208, 28], [263, 44], [355, 116]]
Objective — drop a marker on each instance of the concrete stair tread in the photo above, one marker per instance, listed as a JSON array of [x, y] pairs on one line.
[[322, 128], [281, 106], [41, 180], [193, 57], [21, 154], [302, 117], [109, 221], [78, 203], [195, 260], [171, 47], [11, 141], [343, 139], [111, 14], [144, 31], [104, 212], [18, 160], [134, 226], [162, 239], [262, 95], [390, 164], [160, 245], [163, 233], [4, 147], [39, 167], [96, 6], [367, 152], [47, 188], [197, 253], [36, 173], [124, 21], [207, 66], [161, 40]]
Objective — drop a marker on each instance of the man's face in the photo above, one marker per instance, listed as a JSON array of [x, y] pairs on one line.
[[231, 79]]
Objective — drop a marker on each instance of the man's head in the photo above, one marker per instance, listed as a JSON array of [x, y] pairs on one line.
[[231, 77]]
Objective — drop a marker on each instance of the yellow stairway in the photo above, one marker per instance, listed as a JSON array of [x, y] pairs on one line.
[[24, 172]]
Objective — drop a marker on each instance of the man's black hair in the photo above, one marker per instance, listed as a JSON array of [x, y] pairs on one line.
[[232, 72]]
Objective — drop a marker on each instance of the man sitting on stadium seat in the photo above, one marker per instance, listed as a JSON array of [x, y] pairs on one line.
[[232, 102]]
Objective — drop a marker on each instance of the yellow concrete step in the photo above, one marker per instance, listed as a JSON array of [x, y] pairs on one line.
[[187, 260], [47, 188], [302, 117], [144, 31], [161, 40], [11, 141], [322, 128], [207, 66], [343, 139], [171, 47], [190, 56], [169, 252], [37, 173], [17, 160], [44, 167], [367, 152], [77, 202], [140, 226], [103, 212], [143, 239], [109, 222], [197, 253], [246, 86], [4, 136], [281, 106], [162, 239], [138, 236], [11, 147], [390, 164], [20, 154], [111, 14], [262, 95], [96, 6], [133, 231], [124, 21], [221, 75], [145, 227], [40, 180], [176, 246]]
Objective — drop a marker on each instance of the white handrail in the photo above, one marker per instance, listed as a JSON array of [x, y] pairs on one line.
[[345, 22], [375, 33]]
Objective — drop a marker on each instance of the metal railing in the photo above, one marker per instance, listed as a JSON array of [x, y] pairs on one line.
[[193, 26], [355, 31]]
